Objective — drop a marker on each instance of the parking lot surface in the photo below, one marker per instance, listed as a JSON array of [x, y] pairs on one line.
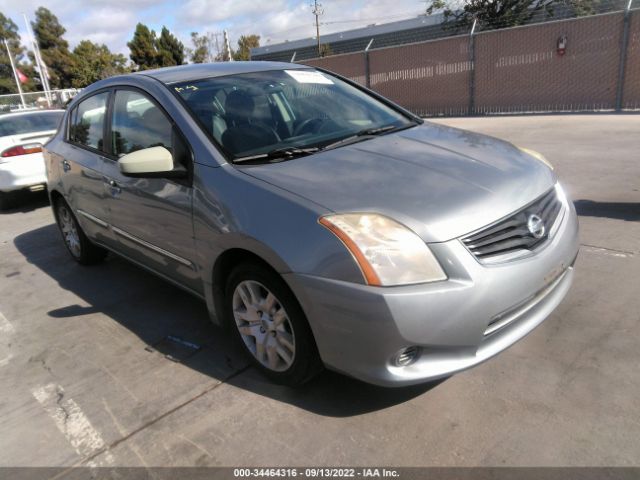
[[94, 368]]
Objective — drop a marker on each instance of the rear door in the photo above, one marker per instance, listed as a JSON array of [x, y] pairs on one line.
[[151, 217], [81, 157]]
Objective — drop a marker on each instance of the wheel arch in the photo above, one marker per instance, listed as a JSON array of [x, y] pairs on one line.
[[222, 268], [54, 197]]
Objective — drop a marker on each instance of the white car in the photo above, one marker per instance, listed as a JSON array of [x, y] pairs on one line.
[[22, 135]]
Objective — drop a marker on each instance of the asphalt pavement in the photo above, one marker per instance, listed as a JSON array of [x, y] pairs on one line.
[[94, 368]]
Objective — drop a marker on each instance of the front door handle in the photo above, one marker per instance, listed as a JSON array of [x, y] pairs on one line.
[[115, 188], [66, 166]]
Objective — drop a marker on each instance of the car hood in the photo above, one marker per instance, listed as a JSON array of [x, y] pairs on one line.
[[441, 182]]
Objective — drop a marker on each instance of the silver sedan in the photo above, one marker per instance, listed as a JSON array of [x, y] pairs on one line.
[[321, 223]]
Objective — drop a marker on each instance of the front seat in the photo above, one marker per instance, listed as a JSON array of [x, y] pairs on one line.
[[243, 133]]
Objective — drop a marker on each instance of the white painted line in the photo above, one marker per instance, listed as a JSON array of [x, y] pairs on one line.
[[5, 361], [72, 422], [5, 325], [605, 251]]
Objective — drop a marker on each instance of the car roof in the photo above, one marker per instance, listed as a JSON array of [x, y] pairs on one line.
[[195, 71]]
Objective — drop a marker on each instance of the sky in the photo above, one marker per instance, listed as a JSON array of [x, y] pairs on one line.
[[112, 22]]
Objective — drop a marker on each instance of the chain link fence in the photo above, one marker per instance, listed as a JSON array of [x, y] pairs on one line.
[[32, 100], [589, 63]]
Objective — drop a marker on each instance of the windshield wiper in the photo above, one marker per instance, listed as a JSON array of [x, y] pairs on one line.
[[362, 135], [279, 153]]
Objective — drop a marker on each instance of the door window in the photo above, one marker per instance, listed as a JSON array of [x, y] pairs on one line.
[[87, 125], [138, 123]]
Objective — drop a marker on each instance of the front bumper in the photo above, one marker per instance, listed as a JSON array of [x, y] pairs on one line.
[[478, 312], [21, 172]]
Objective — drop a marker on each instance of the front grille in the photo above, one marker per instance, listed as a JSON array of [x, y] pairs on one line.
[[512, 233]]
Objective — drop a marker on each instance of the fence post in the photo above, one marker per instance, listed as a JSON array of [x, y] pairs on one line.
[[472, 71], [367, 68], [624, 46]]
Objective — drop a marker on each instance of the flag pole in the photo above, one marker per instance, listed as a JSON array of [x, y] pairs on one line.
[[36, 54], [15, 74]]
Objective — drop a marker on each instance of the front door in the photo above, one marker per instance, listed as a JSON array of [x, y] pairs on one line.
[[151, 218]]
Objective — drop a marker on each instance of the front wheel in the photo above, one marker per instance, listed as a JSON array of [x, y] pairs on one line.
[[77, 243], [270, 325]]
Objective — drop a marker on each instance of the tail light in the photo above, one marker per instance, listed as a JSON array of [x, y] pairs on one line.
[[22, 150]]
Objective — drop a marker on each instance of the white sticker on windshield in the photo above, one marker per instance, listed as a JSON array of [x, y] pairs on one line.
[[309, 76]]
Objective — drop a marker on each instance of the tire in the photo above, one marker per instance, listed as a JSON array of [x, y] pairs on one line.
[[81, 249], [279, 342]]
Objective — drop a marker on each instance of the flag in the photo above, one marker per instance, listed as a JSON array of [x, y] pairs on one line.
[[21, 76]]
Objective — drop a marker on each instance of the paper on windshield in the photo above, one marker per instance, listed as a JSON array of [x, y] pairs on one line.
[[306, 76]]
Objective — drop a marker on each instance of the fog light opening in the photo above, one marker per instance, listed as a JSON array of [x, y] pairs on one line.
[[407, 356]]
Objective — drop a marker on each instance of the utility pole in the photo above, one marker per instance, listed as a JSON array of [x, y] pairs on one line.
[[317, 11], [15, 74]]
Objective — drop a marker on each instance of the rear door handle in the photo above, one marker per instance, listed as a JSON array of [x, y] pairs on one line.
[[66, 166]]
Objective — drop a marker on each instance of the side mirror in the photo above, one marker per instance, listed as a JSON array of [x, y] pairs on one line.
[[148, 162]]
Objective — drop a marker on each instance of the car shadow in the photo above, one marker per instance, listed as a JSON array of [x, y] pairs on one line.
[[175, 324], [617, 210], [25, 201]]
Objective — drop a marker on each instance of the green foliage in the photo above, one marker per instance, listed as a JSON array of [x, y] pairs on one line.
[[588, 7], [54, 49], [143, 48], [94, 62], [170, 49], [492, 14], [149, 51], [245, 44], [8, 31], [200, 52], [436, 6], [509, 13]]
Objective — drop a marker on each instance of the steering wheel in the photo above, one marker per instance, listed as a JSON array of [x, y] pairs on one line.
[[309, 125]]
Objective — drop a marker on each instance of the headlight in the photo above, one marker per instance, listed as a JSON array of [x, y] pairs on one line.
[[537, 156], [387, 252]]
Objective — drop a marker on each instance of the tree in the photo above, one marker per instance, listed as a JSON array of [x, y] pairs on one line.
[[493, 14], [245, 44], [149, 51], [54, 49], [200, 53], [588, 7], [435, 6], [93, 62], [170, 49], [143, 48], [8, 31]]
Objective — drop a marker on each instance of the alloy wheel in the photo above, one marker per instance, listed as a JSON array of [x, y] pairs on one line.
[[69, 231], [264, 325]]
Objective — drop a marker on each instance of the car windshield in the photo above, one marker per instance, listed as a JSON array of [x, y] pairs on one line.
[[286, 112], [29, 123]]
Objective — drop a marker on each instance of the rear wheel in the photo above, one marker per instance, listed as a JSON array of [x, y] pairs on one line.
[[270, 325], [77, 243]]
